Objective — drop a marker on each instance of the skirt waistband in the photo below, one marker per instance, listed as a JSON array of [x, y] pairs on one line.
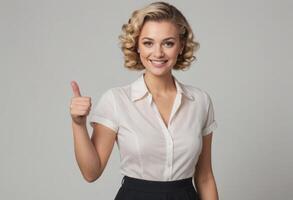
[[153, 186]]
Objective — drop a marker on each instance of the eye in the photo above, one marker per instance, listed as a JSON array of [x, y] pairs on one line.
[[169, 44], [147, 43]]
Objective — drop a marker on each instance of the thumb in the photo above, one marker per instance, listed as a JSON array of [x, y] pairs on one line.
[[75, 89]]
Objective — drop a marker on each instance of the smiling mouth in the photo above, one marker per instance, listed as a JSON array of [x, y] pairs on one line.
[[158, 61]]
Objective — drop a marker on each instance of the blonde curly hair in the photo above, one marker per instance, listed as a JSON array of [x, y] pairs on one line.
[[157, 11]]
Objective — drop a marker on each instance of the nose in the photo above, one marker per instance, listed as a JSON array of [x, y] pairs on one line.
[[158, 51]]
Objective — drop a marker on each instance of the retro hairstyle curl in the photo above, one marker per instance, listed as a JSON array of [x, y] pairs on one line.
[[157, 11]]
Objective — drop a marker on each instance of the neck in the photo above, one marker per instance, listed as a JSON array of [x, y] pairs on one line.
[[159, 85]]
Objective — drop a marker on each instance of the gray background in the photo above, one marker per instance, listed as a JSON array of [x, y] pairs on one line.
[[244, 63]]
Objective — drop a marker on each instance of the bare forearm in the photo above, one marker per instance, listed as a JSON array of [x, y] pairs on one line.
[[207, 189], [85, 153]]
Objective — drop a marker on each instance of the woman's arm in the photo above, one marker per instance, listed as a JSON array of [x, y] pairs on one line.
[[92, 153], [85, 153], [203, 177]]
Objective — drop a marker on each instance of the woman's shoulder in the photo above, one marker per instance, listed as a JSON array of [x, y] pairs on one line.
[[118, 91], [194, 90], [198, 93]]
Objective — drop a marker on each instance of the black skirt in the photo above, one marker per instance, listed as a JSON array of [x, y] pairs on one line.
[[140, 189]]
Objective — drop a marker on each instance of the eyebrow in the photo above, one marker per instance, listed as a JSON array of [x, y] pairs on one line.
[[163, 40]]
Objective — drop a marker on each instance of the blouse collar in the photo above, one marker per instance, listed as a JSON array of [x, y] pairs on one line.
[[139, 89]]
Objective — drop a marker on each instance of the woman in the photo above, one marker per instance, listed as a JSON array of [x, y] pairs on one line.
[[163, 127]]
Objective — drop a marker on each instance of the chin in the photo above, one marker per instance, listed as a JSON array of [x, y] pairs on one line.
[[158, 72]]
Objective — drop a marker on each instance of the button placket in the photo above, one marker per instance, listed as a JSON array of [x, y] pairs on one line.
[[169, 139], [169, 156], [167, 134]]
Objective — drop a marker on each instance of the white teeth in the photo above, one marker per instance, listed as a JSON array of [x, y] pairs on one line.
[[158, 61]]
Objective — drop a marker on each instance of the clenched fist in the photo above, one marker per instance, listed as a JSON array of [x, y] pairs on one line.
[[80, 106]]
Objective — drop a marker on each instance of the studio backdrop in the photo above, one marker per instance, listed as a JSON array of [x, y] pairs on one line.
[[244, 63]]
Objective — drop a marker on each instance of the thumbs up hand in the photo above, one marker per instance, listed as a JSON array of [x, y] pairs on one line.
[[80, 106]]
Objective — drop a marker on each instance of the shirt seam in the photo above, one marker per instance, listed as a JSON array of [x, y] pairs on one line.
[[115, 111], [139, 156]]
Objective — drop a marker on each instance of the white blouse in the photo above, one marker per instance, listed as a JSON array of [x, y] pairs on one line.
[[148, 149]]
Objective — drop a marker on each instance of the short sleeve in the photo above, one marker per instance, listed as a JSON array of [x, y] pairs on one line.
[[210, 123], [104, 112]]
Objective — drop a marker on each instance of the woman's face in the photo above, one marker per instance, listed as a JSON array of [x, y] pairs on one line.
[[159, 46]]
